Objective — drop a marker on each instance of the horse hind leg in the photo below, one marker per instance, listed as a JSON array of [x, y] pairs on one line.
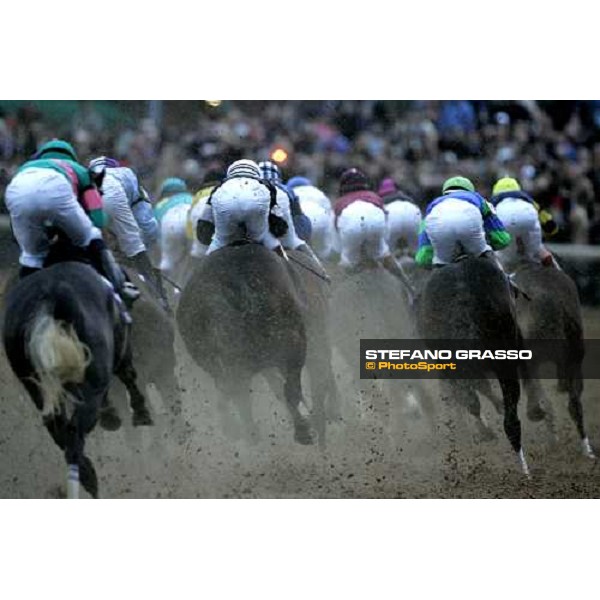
[[512, 426], [468, 398], [575, 389], [293, 397], [141, 415], [108, 416], [79, 467]]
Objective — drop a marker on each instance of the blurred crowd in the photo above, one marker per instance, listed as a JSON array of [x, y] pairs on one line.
[[552, 147]]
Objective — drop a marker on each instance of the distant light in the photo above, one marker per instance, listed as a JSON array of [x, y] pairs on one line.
[[279, 155], [214, 103]]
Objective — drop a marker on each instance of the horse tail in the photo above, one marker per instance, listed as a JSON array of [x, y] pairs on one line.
[[58, 357]]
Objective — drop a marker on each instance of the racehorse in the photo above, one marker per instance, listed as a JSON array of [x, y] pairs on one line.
[[64, 337], [553, 313], [240, 315], [370, 303], [471, 300], [314, 292]]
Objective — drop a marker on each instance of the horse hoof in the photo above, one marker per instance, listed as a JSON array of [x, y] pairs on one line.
[[88, 477], [109, 419], [587, 449], [536, 414], [142, 418], [303, 435]]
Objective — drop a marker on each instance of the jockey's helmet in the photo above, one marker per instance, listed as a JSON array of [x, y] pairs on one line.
[[457, 183]]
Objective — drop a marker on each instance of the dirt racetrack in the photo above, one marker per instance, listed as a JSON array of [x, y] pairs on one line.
[[373, 453]]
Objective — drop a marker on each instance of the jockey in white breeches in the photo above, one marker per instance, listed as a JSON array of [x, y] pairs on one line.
[[270, 172], [522, 218], [240, 208], [361, 224], [53, 189], [171, 212], [130, 217], [459, 220], [291, 240], [317, 207], [403, 218]]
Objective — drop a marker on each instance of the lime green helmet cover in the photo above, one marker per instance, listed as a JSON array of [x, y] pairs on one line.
[[458, 183]]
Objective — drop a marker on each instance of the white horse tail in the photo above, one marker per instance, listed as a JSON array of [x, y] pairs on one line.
[[58, 357]]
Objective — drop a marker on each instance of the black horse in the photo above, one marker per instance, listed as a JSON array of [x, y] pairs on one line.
[[471, 300], [553, 313], [64, 337], [240, 315], [313, 291]]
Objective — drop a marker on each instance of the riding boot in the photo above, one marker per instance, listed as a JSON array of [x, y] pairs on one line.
[[24, 271], [153, 278], [104, 262], [392, 265], [306, 249]]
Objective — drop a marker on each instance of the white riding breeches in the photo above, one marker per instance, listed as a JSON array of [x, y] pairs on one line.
[[322, 238], [521, 220], [290, 241], [121, 220], [312, 194], [240, 209], [455, 222], [403, 222], [40, 197], [362, 229], [174, 245]]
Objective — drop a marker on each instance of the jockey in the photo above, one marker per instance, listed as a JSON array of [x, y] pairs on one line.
[[54, 190], [317, 207], [286, 201], [130, 217], [210, 181], [525, 221], [173, 192], [171, 212], [360, 219], [459, 219], [305, 190], [243, 206], [404, 217]]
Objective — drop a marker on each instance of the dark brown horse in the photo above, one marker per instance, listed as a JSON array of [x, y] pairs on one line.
[[240, 315], [471, 300], [553, 313]]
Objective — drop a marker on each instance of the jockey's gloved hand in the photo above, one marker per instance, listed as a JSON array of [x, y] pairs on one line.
[[204, 231], [277, 225]]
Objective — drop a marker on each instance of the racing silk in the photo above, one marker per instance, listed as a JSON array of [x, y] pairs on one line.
[[497, 236], [201, 194], [166, 204], [398, 196], [302, 223], [125, 179], [80, 180], [363, 195], [549, 225]]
